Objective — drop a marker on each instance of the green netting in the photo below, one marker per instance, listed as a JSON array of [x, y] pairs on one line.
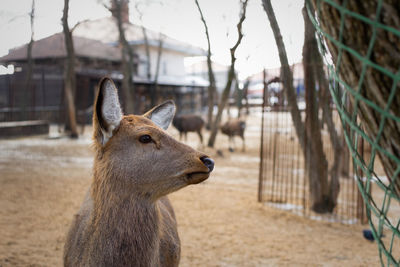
[[380, 192]]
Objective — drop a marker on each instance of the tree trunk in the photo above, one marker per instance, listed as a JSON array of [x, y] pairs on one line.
[[28, 80], [231, 74], [286, 75], [246, 96], [322, 193], [377, 86], [345, 158], [221, 105], [212, 87], [337, 144], [155, 87], [127, 54], [336, 141], [69, 73], [316, 163], [147, 49], [148, 59], [148, 68]]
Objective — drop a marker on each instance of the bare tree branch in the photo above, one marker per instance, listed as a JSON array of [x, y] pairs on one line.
[[77, 24], [211, 77], [286, 73], [231, 75]]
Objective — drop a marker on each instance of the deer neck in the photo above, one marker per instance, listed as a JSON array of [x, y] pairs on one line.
[[126, 226]]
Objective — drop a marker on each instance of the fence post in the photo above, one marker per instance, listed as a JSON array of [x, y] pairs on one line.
[[260, 177]]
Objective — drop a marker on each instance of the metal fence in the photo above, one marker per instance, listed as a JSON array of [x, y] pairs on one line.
[[42, 101], [283, 179]]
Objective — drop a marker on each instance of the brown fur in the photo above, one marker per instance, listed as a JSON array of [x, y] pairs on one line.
[[234, 128], [126, 218], [189, 123]]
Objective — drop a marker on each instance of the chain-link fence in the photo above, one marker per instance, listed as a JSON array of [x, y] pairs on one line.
[[360, 41]]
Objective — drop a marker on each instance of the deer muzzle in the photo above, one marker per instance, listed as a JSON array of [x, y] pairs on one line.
[[198, 177], [208, 162]]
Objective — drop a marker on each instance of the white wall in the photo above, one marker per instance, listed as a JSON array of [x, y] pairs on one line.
[[172, 63]]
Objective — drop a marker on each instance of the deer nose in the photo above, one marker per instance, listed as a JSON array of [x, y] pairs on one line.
[[208, 162]]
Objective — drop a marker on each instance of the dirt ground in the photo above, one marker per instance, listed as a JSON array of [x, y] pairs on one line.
[[43, 182]]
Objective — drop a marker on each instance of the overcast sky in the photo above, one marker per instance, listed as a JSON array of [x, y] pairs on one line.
[[177, 18]]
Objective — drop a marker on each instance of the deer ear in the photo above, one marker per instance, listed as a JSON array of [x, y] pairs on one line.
[[163, 114], [107, 113]]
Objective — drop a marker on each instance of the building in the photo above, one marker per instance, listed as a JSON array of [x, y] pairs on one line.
[[98, 54], [45, 99], [200, 69]]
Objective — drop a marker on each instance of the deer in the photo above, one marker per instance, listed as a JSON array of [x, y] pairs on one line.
[[126, 218], [188, 123], [234, 128]]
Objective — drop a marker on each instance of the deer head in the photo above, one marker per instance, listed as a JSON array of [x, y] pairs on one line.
[[135, 155]]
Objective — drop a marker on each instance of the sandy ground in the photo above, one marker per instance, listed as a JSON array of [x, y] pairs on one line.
[[220, 222]]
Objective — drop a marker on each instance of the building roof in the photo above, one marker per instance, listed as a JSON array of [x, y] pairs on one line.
[[106, 31], [98, 39], [54, 47]]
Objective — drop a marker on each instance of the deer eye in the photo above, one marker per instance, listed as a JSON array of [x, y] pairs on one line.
[[145, 139]]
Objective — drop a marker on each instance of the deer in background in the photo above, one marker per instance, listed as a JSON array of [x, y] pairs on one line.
[[126, 218], [232, 128], [189, 123]]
